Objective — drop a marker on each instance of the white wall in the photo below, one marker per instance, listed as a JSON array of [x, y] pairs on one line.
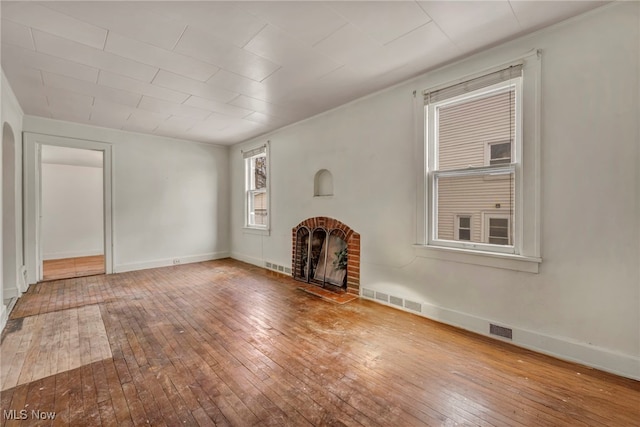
[[170, 197], [584, 304], [11, 254], [72, 211]]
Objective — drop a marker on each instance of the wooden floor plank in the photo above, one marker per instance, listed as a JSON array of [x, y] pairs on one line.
[[57, 269], [227, 344]]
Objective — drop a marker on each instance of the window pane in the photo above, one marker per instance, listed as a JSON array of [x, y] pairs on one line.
[[464, 128], [464, 234], [498, 223], [465, 222], [499, 232], [478, 193], [501, 151], [260, 172], [257, 208], [498, 241]]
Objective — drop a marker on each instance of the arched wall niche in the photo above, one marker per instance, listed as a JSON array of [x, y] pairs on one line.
[[323, 183]]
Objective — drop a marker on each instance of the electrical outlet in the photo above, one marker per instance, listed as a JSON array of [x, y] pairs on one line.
[[176, 261]]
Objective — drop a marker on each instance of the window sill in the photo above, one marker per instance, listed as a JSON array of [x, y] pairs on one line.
[[255, 230], [488, 259]]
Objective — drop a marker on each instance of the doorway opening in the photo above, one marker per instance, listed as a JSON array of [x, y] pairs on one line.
[[10, 260], [35, 219], [72, 206]]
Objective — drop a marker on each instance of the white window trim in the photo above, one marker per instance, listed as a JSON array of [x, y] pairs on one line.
[[486, 216], [528, 204], [433, 173], [456, 225], [251, 228], [487, 150]]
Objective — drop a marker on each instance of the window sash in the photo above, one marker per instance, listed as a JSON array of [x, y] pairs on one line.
[[499, 160], [488, 171], [253, 213], [437, 95], [252, 172], [485, 171], [487, 228], [256, 214], [461, 228]]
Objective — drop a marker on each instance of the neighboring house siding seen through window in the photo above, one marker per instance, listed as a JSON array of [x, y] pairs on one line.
[[474, 129], [256, 183]]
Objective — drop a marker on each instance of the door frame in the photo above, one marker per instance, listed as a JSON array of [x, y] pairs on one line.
[[33, 143]]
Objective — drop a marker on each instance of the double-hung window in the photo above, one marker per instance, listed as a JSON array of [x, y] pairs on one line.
[[256, 187], [474, 143], [479, 173]]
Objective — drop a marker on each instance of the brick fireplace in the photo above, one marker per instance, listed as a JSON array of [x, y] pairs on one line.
[[326, 252]]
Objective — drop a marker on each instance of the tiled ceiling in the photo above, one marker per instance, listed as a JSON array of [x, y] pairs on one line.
[[223, 72]]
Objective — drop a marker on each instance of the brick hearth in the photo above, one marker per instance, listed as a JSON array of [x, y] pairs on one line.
[[353, 248]]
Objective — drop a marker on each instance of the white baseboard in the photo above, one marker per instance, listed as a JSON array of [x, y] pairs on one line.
[[560, 347], [12, 292], [121, 268], [76, 254], [249, 260]]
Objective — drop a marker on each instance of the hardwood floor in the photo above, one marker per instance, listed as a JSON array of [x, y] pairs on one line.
[[67, 268], [225, 343], [51, 343]]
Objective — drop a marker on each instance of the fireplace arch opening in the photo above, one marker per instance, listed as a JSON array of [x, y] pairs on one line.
[[326, 253]]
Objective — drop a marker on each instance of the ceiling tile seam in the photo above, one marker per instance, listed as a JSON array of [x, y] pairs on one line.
[[33, 39], [515, 15], [439, 27], [156, 76], [329, 35], [186, 55], [143, 92], [184, 30], [366, 33], [104, 45], [159, 48], [55, 58], [91, 47], [231, 100], [172, 114], [211, 111], [255, 35], [407, 33], [280, 67], [235, 74], [261, 100], [43, 4]]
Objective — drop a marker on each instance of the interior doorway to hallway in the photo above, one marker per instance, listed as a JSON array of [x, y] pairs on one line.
[[72, 206]]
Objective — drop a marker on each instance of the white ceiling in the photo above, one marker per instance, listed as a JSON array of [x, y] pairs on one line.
[[223, 72]]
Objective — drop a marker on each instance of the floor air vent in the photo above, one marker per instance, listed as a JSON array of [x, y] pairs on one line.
[[500, 331], [368, 293], [382, 297], [412, 305], [395, 300], [276, 267]]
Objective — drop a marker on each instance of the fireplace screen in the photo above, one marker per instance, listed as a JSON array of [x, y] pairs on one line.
[[322, 256]]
